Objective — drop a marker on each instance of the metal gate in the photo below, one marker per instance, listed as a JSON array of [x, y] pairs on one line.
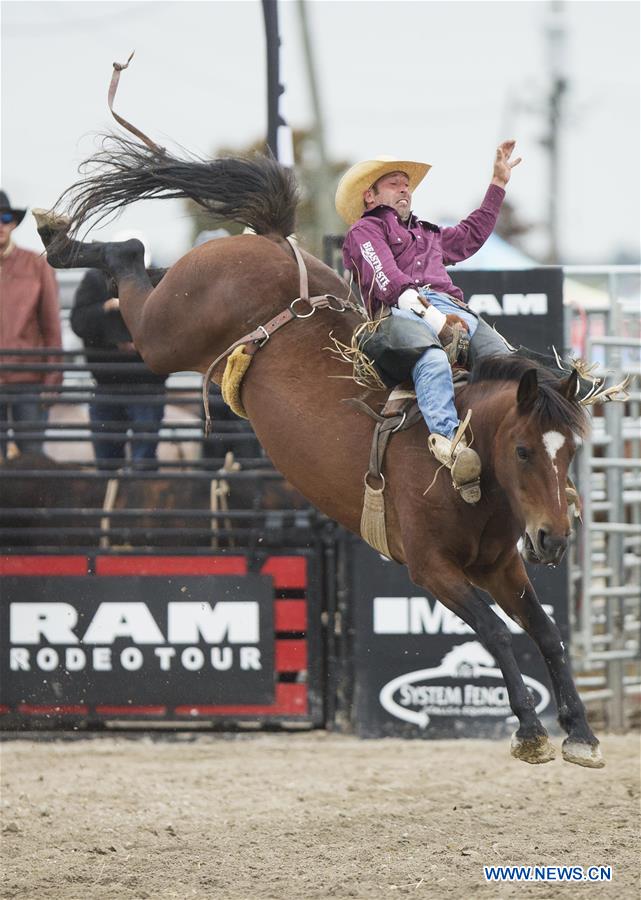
[[606, 560]]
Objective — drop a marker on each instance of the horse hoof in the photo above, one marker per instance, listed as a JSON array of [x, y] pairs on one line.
[[48, 219], [535, 751], [580, 754]]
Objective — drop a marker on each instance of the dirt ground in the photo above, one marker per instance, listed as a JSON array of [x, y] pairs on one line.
[[297, 816]]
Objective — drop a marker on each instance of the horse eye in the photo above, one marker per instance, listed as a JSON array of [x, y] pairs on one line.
[[522, 453]]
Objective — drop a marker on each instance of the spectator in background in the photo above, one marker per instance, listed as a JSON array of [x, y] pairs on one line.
[[127, 399], [29, 320]]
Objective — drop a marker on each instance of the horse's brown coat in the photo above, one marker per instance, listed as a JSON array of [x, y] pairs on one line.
[[293, 395]]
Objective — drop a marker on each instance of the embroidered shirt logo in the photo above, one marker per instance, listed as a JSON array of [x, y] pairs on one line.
[[371, 256]]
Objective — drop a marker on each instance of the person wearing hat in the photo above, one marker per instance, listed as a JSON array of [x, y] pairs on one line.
[[29, 320], [399, 260]]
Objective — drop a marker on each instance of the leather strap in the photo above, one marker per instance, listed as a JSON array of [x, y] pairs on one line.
[[257, 338], [382, 433], [302, 268], [373, 525], [111, 96], [386, 426]]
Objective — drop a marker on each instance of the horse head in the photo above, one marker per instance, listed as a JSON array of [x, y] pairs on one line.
[[533, 450]]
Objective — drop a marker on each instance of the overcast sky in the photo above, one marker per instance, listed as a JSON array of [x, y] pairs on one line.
[[437, 81]]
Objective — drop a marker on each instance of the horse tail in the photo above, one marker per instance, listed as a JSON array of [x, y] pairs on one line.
[[256, 192]]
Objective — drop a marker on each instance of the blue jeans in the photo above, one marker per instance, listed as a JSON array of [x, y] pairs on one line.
[[30, 414], [432, 374], [119, 418]]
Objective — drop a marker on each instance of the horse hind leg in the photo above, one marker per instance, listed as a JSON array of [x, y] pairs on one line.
[[62, 251], [121, 259]]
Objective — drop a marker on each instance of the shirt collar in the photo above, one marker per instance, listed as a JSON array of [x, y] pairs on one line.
[[412, 222], [382, 208]]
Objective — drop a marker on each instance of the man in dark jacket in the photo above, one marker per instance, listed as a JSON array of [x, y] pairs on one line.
[[129, 397]]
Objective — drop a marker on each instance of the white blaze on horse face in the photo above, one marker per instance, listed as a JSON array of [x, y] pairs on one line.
[[553, 441]]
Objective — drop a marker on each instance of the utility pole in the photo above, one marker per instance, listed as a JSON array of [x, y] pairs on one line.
[[279, 136], [555, 34], [325, 217]]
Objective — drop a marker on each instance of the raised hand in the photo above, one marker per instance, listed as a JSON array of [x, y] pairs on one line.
[[502, 164]]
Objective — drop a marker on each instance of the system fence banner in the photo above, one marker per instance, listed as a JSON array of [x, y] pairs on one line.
[[420, 671]]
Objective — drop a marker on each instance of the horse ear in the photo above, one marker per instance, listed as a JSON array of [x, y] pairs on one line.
[[528, 391], [569, 387]]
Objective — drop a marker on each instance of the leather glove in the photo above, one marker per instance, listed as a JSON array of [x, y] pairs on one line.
[[455, 340], [452, 319]]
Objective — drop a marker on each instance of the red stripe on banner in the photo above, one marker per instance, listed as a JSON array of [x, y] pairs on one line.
[[131, 710], [171, 565], [290, 615], [287, 571], [291, 700], [291, 656], [43, 565], [4, 709], [30, 710]]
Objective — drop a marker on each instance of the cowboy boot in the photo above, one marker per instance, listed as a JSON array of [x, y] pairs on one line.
[[463, 462]]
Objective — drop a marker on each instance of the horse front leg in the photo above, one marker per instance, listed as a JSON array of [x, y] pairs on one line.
[[530, 742], [513, 591]]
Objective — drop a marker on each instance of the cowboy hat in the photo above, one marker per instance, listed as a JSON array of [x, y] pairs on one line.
[[349, 193], [5, 206]]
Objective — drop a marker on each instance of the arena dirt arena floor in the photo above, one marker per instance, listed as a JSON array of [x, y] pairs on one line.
[[297, 816]]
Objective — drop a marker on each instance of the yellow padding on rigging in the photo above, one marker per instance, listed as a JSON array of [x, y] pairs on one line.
[[237, 364]]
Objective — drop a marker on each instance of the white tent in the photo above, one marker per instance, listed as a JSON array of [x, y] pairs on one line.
[[498, 254]]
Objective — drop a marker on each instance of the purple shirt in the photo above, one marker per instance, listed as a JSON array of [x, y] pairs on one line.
[[386, 255]]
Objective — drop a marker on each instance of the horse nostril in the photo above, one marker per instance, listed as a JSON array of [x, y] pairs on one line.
[[551, 545]]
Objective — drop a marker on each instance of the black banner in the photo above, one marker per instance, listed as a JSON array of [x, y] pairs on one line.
[[140, 640], [526, 306], [420, 671]]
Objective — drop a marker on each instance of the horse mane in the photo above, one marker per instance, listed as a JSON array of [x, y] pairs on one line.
[[551, 408]]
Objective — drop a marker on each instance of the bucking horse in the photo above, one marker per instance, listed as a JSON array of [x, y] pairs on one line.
[[257, 298]]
